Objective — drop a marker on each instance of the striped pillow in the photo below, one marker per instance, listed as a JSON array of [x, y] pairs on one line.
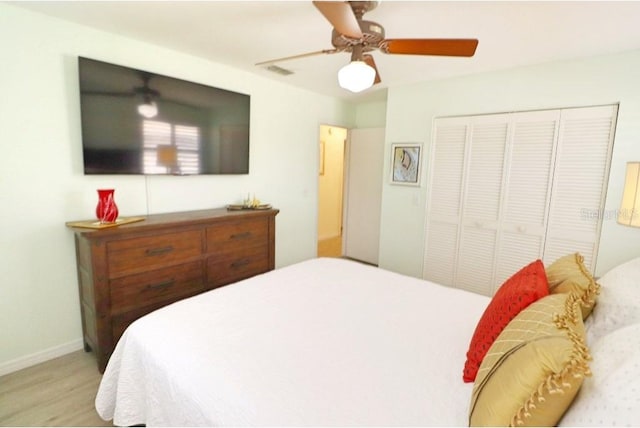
[[535, 367]]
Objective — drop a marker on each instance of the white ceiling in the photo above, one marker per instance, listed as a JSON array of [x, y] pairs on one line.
[[242, 33]]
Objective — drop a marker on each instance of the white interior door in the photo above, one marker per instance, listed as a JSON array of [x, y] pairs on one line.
[[444, 208], [580, 182], [365, 157], [527, 191]]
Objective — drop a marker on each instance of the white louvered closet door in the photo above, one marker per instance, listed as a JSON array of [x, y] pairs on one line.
[[482, 200], [580, 180], [528, 191], [508, 189], [444, 208]]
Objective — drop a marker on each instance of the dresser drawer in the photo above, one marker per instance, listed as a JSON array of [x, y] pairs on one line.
[[120, 322], [234, 235], [159, 286], [234, 266], [135, 255]]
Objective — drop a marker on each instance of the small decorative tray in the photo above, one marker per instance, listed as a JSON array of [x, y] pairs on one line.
[[93, 224], [238, 207]]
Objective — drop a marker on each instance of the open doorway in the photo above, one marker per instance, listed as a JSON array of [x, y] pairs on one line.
[[331, 190]]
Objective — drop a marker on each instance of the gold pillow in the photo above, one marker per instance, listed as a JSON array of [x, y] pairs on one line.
[[568, 274], [534, 369]]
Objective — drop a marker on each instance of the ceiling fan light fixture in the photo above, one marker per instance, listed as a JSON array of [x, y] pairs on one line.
[[356, 76], [148, 109]]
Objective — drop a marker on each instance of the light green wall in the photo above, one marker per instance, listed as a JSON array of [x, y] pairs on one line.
[[411, 110], [42, 185], [371, 114]]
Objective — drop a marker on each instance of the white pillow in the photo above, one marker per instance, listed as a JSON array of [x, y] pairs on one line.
[[618, 304], [611, 396]]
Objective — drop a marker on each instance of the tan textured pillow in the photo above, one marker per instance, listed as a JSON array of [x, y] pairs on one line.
[[568, 274], [535, 367]]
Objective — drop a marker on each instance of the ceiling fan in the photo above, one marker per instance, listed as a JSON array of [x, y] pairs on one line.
[[148, 108], [353, 34], [148, 96]]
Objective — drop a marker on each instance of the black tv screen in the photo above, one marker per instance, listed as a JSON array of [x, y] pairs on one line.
[[137, 122]]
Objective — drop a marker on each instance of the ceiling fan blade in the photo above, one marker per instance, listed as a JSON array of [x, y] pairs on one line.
[[368, 59], [341, 17], [304, 55], [109, 93], [444, 47]]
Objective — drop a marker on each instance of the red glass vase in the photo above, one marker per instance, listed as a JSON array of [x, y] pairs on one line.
[[107, 210]]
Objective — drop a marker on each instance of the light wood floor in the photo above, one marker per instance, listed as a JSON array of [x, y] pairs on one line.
[[331, 247], [60, 392]]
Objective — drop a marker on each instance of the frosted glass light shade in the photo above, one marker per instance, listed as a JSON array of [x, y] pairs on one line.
[[629, 214], [356, 76], [148, 109]]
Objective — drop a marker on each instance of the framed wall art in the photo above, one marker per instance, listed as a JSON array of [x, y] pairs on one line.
[[405, 163], [321, 156]]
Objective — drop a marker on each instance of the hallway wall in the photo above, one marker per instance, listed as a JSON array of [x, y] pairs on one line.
[[330, 181]]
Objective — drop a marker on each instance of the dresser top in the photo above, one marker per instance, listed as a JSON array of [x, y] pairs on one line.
[[183, 218]]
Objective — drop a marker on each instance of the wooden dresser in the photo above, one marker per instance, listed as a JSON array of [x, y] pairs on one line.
[[127, 271]]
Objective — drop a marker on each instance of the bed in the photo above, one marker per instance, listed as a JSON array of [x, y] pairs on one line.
[[325, 342]]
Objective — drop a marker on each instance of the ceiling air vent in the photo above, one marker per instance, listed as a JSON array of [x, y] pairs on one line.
[[279, 70]]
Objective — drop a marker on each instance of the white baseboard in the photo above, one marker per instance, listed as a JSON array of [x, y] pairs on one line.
[[40, 357]]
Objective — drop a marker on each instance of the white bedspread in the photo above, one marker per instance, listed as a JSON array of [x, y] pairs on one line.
[[323, 342]]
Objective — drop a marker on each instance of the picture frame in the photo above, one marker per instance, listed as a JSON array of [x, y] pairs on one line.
[[406, 160], [321, 156]]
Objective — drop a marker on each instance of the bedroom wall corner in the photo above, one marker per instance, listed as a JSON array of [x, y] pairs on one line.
[[371, 114]]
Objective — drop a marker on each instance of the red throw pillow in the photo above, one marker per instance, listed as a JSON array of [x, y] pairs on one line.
[[523, 288]]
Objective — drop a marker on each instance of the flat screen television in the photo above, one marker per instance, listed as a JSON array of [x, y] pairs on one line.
[[137, 122]]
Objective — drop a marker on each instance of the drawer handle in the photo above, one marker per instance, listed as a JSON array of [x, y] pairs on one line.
[[160, 285], [159, 251], [241, 235], [239, 263]]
